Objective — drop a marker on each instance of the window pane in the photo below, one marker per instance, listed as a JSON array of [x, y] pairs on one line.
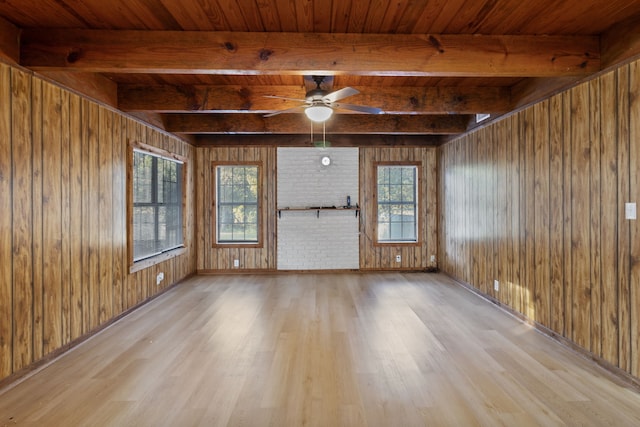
[[237, 219], [383, 231], [383, 213], [395, 175], [224, 232], [383, 176], [238, 232], [395, 193], [251, 232], [157, 205], [408, 231], [408, 193], [238, 194], [142, 172], [397, 203]]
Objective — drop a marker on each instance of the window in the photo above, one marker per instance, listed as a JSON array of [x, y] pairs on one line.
[[157, 218], [397, 203], [237, 207]]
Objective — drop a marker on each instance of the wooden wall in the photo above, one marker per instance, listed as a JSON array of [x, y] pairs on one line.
[[536, 201], [211, 258], [63, 256], [414, 257]]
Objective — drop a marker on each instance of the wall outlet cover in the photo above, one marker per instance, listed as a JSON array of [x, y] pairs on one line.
[[630, 211]]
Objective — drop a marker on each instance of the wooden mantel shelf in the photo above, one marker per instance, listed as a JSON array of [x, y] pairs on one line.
[[355, 208]]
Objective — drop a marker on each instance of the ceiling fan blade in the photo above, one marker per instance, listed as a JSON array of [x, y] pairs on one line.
[[284, 97], [288, 110], [359, 108], [340, 94]]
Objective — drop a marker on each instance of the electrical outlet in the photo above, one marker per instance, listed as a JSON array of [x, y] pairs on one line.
[[236, 263], [496, 285], [398, 258], [159, 278], [433, 258], [630, 211]]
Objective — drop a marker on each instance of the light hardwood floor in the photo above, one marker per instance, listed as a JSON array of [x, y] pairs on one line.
[[320, 350]]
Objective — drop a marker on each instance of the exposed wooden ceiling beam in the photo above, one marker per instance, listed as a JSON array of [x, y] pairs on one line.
[[299, 124], [91, 85], [333, 140], [9, 41], [235, 99], [118, 51], [621, 43], [530, 91]]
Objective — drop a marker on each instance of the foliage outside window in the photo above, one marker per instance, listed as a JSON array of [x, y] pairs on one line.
[[397, 203], [237, 208], [157, 205]]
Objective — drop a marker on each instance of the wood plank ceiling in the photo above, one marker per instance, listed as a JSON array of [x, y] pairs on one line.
[[201, 68]]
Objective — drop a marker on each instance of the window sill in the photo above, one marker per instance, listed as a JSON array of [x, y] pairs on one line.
[[237, 245], [150, 262], [399, 243]]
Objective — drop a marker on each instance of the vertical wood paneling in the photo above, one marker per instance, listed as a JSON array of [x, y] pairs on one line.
[[22, 217], [6, 245], [580, 209], [541, 285], [556, 214], [118, 215], [609, 220], [52, 223], [93, 206], [65, 216], [521, 289], [595, 192], [37, 111], [567, 308], [528, 242], [221, 258], [75, 213], [105, 214], [624, 333], [514, 179], [62, 184], [374, 257], [571, 260], [634, 228]]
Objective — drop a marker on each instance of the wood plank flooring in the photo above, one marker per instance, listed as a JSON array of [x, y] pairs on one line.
[[320, 350]]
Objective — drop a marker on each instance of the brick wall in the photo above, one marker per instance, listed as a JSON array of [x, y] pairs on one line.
[[306, 242]]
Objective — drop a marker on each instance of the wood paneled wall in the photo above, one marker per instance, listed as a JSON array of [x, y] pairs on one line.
[[211, 258], [63, 258], [537, 202], [414, 257]]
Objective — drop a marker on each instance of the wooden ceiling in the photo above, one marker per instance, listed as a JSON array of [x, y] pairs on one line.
[[201, 68]]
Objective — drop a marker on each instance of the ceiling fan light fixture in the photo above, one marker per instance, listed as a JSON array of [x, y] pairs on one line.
[[318, 113]]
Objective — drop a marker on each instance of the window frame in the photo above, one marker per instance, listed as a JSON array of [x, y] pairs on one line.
[[214, 204], [169, 253], [419, 218]]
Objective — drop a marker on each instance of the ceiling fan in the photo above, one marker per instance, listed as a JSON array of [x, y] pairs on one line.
[[319, 103]]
